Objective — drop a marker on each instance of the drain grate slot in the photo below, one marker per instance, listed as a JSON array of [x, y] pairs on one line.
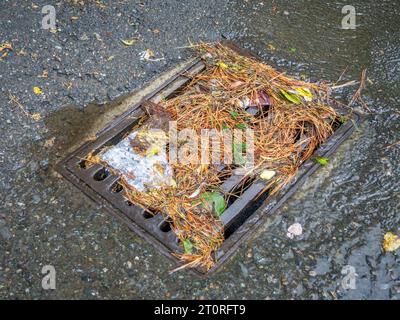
[[246, 208]]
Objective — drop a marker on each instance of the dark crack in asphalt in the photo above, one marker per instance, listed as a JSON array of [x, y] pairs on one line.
[[344, 209]]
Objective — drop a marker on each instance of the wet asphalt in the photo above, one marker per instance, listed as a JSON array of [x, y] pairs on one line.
[[83, 68]]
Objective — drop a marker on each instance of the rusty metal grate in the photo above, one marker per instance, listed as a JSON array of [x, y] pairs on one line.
[[240, 218]]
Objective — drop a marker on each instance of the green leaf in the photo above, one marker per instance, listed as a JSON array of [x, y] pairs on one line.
[[215, 201], [343, 119], [225, 126], [233, 114], [291, 97], [241, 126], [322, 161], [293, 49], [188, 246]]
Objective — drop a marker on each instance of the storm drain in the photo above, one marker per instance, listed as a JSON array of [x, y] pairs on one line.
[[242, 215]]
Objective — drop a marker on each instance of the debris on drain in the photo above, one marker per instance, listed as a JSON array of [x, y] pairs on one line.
[[277, 124], [141, 157]]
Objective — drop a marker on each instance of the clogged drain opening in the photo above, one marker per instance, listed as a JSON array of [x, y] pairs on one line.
[[203, 204]]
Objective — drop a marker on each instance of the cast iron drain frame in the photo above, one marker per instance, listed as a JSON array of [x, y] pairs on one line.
[[248, 214]]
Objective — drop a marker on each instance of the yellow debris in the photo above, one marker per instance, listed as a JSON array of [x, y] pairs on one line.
[[391, 242]]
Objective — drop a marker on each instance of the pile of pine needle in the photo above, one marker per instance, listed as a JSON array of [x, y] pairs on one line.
[[293, 119]]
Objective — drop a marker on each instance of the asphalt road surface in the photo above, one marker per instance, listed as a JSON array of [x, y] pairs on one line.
[[83, 70]]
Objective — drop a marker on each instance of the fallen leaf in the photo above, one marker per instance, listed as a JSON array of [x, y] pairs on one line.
[[291, 97], [6, 47], [214, 201], [391, 242], [49, 143], [74, 18], [129, 42], [241, 126], [271, 47], [343, 119], [322, 161], [188, 246], [153, 150], [36, 116], [222, 65], [233, 114], [305, 93], [267, 174], [37, 90], [110, 58]]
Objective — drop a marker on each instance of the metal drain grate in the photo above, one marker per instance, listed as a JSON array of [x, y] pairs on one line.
[[240, 218]]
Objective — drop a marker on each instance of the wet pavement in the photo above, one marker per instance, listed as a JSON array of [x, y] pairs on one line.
[[344, 209]]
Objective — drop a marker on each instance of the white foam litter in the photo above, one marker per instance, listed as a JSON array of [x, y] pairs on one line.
[[140, 171]]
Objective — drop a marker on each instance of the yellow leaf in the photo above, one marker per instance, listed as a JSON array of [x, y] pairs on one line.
[[305, 93], [36, 116], [391, 242], [222, 65], [37, 90], [271, 47], [153, 151], [6, 45], [129, 42], [267, 174]]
